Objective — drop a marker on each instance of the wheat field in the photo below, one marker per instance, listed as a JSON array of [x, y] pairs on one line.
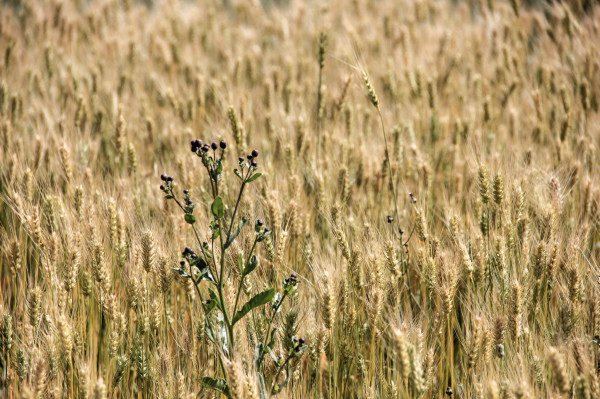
[[324, 199]]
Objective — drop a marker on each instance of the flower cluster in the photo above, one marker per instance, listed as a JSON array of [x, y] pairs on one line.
[[168, 183]]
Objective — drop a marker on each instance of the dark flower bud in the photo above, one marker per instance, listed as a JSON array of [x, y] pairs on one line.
[[223, 144], [188, 201], [182, 263], [205, 148], [162, 187], [249, 157], [186, 191], [241, 159], [187, 250], [301, 341], [214, 145], [205, 244], [194, 146], [449, 391], [163, 177], [169, 178], [267, 229], [259, 222], [390, 219], [254, 163], [198, 143], [254, 153], [193, 256]]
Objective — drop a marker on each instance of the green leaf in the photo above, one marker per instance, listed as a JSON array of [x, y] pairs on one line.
[[238, 174], [199, 262], [182, 273], [236, 233], [277, 388], [300, 351], [216, 233], [219, 168], [217, 384], [189, 218], [211, 305], [241, 263], [217, 208], [254, 177], [214, 301], [251, 265], [258, 300], [271, 343], [168, 196]]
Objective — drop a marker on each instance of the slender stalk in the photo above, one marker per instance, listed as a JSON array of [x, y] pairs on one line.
[[273, 318], [287, 360], [208, 323], [237, 297], [237, 203], [389, 163]]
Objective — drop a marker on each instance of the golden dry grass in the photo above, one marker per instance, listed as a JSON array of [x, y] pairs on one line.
[[490, 110]]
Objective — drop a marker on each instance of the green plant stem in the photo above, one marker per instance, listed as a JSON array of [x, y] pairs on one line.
[[237, 297], [237, 203], [220, 283], [273, 318], [210, 327], [279, 372]]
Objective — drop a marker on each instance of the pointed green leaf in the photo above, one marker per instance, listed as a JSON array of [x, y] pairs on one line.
[[254, 177], [236, 233], [271, 343], [169, 196], [199, 262], [214, 301], [258, 300], [217, 384], [299, 351], [217, 208], [251, 265], [216, 233], [189, 218], [238, 174]]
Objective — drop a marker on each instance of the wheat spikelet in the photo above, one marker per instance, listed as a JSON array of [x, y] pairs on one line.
[[559, 373], [100, 389], [484, 184], [421, 225], [120, 135], [515, 316], [236, 381], [328, 303], [148, 251], [132, 160], [34, 306], [401, 349], [65, 335], [67, 162]]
